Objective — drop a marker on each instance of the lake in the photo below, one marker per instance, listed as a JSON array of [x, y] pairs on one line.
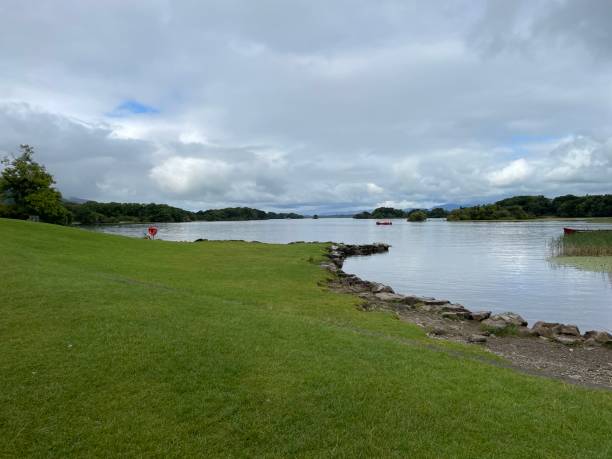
[[497, 266]]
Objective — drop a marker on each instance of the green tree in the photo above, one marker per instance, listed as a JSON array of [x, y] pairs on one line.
[[27, 188], [437, 212], [417, 216]]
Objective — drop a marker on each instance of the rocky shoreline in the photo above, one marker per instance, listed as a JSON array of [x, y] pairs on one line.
[[547, 348]]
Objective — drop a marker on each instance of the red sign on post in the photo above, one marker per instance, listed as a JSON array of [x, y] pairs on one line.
[[152, 232]]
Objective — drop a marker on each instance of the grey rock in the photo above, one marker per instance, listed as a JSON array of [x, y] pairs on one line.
[[571, 330], [411, 300], [451, 307], [477, 339], [456, 315], [434, 302], [568, 340], [546, 329], [385, 296], [525, 332], [381, 288], [553, 329], [329, 266], [598, 337], [495, 325], [366, 295], [510, 318], [480, 315]]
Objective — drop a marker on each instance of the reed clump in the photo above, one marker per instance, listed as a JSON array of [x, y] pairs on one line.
[[584, 244]]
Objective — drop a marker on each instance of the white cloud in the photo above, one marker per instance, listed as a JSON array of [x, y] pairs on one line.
[[182, 176], [373, 188], [515, 172]]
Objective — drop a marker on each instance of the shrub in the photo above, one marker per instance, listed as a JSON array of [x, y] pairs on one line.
[[417, 216]]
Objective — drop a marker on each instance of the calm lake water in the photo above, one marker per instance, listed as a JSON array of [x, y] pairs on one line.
[[498, 266]]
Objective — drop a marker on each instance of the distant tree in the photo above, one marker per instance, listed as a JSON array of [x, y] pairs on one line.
[[363, 215], [388, 212], [27, 189], [417, 216], [535, 206], [437, 212]]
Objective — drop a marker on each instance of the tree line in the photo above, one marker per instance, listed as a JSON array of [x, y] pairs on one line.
[[27, 191], [92, 212], [527, 207], [389, 212]]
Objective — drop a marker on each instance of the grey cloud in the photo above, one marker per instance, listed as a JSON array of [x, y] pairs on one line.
[[310, 104]]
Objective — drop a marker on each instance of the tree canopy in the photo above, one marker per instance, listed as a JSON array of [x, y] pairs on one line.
[[390, 212], [92, 212], [27, 190], [525, 207]]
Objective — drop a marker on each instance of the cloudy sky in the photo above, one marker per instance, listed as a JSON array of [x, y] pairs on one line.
[[313, 106]]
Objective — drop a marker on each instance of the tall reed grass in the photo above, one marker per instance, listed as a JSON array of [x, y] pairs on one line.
[[587, 244]]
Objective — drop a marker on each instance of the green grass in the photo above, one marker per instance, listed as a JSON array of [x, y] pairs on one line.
[[112, 346], [584, 244]]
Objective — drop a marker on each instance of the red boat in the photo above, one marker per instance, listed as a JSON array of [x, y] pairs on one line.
[[384, 222], [569, 230]]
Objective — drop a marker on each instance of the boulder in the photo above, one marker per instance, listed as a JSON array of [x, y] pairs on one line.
[[386, 296], [329, 266], [500, 322], [568, 340], [495, 325], [570, 330], [452, 307], [598, 337], [480, 315], [434, 302], [553, 329], [546, 329], [510, 318], [381, 288], [411, 300], [525, 332], [456, 315]]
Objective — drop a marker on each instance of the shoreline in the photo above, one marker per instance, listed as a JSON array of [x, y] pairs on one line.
[[546, 349]]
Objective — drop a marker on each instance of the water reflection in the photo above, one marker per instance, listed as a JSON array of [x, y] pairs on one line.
[[497, 266]]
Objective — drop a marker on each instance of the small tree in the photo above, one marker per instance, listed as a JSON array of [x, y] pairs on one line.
[[417, 216], [27, 189]]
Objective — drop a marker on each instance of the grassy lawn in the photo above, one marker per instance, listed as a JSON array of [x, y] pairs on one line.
[[112, 346]]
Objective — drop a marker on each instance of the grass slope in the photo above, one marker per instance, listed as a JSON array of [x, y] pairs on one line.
[[113, 346]]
